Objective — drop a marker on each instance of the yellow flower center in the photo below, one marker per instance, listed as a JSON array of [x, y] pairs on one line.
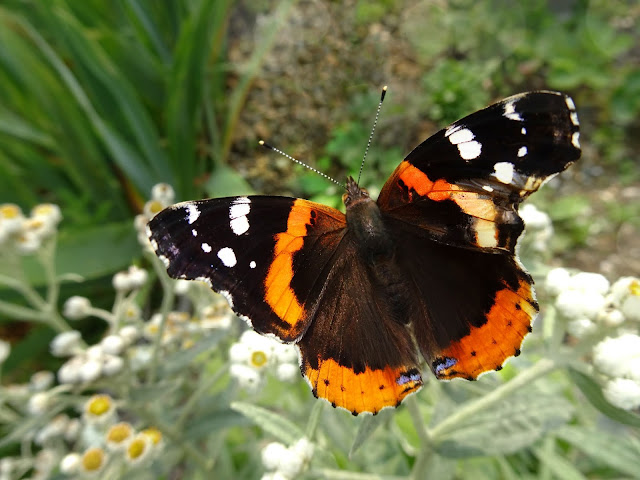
[[634, 288], [155, 206], [119, 432], [258, 358], [99, 405], [43, 210], [93, 459], [136, 448], [9, 211], [153, 434]]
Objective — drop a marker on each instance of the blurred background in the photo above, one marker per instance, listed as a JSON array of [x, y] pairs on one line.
[[102, 100]]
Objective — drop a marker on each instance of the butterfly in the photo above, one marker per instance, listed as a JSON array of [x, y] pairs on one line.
[[429, 269]]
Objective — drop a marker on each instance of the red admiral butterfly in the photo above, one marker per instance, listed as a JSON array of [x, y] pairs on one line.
[[429, 267]]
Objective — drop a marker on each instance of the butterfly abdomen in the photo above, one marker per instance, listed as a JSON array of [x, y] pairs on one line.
[[377, 249]]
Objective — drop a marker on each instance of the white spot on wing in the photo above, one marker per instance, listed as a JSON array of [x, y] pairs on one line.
[[206, 280], [470, 150], [192, 213], [206, 248], [461, 136], [194, 232], [487, 188], [510, 112], [522, 151], [570, 104], [228, 257], [503, 172], [575, 139], [574, 118], [239, 225], [238, 212], [523, 131], [252, 264]]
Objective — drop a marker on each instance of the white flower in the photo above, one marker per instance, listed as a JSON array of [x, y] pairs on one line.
[[138, 449], [163, 193], [580, 304], [119, 435], [589, 282], [99, 409], [42, 380], [76, 308], [611, 318], [120, 282], [287, 372], [90, 370], [5, 350], [557, 280], [248, 378], [616, 356], [66, 344], [581, 327], [70, 463], [623, 393], [539, 228], [304, 448], [622, 288], [69, 372], [11, 218], [93, 461], [140, 356], [137, 277], [47, 212], [112, 344], [28, 242], [129, 334], [94, 352], [152, 207], [272, 454], [112, 365], [286, 353], [39, 403], [181, 287]]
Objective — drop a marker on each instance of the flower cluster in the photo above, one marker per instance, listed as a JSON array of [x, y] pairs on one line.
[[253, 355], [539, 228], [286, 463], [27, 234], [591, 304]]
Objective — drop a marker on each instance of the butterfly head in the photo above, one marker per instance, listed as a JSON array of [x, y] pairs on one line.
[[354, 193]]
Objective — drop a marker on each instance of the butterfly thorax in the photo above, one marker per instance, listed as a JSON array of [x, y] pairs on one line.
[[365, 222]]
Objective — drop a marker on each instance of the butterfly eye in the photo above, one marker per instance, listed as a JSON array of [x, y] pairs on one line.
[[346, 199]]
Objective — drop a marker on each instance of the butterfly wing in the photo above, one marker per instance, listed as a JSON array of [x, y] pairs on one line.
[[471, 309], [463, 185], [248, 248]]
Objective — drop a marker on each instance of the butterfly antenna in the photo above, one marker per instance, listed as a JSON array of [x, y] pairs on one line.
[[262, 142], [373, 129]]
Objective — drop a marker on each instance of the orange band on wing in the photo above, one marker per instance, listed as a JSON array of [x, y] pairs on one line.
[[487, 347], [278, 292], [369, 391], [475, 204]]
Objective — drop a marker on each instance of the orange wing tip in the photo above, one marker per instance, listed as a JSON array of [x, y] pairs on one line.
[[488, 347], [365, 392]]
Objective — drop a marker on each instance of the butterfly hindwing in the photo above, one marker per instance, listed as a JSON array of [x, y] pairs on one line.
[[471, 309], [463, 185]]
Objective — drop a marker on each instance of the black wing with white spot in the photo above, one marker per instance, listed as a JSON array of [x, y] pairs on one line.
[[245, 249], [463, 185]]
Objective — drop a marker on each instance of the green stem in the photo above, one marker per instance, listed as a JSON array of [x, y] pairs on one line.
[[468, 410], [202, 389], [167, 302]]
